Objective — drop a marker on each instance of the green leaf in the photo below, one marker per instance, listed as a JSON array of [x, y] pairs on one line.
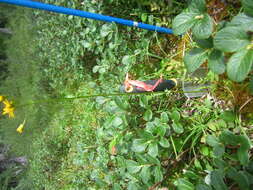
[[127, 59], [228, 138], [197, 6], [216, 62], [122, 104], [175, 115], [144, 17], [164, 142], [177, 127], [148, 115], [133, 186], [139, 145], [183, 184], [145, 174], [117, 121], [183, 22], [231, 39], [203, 28], [239, 177], [239, 65], [242, 20], [218, 150], [248, 7], [228, 116], [204, 43], [132, 166], [144, 101], [217, 180], [164, 117], [242, 152], [204, 150], [203, 187], [194, 58], [158, 174], [105, 30], [116, 187], [161, 129], [153, 149], [212, 140]]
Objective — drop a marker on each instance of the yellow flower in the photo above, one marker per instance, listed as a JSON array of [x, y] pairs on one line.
[[1, 98], [20, 128], [8, 109], [7, 103]]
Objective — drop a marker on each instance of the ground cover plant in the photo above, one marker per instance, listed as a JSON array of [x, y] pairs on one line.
[[149, 141]]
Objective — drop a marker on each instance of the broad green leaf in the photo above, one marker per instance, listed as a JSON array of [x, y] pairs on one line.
[[183, 22], [248, 7], [133, 186], [203, 28], [231, 39], [197, 6], [132, 166], [212, 140], [239, 177], [117, 121], [177, 127], [217, 180], [144, 101], [122, 104], [148, 115], [191, 175], [218, 150], [153, 149], [164, 117], [204, 43], [242, 20], [239, 65], [220, 164], [161, 129], [194, 58], [127, 59], [228, 138], [184, 184], [216, 62], [116, 187], [203, 187], [175, 115], [228, 116], [158, 174], [242, 152], [164, 142], [144, 17], [145, 174], [105, 30], [139, 145], [204, 150]]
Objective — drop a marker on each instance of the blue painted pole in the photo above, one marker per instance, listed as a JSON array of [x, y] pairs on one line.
[[68, 11]]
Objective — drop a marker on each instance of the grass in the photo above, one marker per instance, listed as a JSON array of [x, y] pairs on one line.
[[159, 139]]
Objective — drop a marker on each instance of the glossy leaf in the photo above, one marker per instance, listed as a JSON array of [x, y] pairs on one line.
[[164, 142], [194, 58], [164, 117], [148, 115], [239, 65], [242, 20], [216, 62], [153, 149], [177, 127], [139, 145], [132, 166], [158, 174], [203, 28], [231, 39], [175, 115], [183, 22], [145, 174]]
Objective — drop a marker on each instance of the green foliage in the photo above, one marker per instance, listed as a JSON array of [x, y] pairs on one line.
[[235, 37]]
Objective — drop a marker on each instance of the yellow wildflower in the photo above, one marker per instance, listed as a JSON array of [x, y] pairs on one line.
[[8, 109], [1, 98], [21, 127]]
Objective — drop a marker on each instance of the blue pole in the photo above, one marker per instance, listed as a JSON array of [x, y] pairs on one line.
[[68, 11]]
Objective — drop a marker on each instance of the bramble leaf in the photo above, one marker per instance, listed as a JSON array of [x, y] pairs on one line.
[[203, 28], [194, 58], [216, 62], [239, 65], [248, 7]]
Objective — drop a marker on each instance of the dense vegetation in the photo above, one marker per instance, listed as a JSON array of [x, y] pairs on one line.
[[58, 70]]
